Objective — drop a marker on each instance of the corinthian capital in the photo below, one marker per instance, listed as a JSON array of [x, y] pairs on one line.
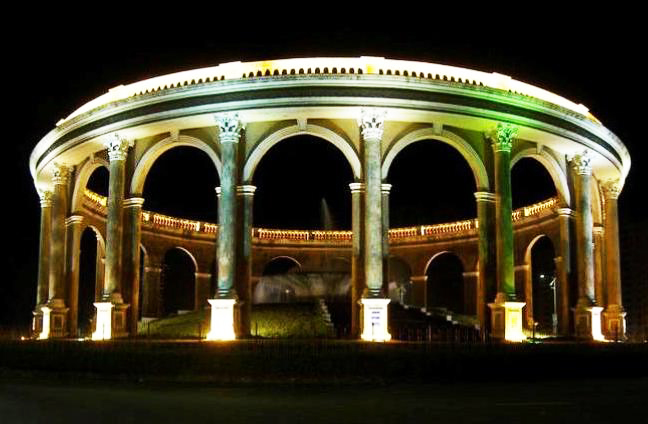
[[61, 173], [45, 198], [117, 147], [504, 136], [582, 163], [230, 126], [611, 188], [372, 122]]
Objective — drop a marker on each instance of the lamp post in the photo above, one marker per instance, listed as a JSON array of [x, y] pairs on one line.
[[554, 314]]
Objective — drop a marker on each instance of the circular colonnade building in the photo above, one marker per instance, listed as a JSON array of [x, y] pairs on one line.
[[370, 109]]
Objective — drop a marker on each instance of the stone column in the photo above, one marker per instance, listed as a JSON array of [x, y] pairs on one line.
[[111, 310], [614, 313], [375, 313], [42, 290], [55, 313], [506, 312], [599, 287], [587, 315], [384, 190], [222, 311], [564, 270], [487, 266], [244, 260], [74, 229], [357, 262], [131, 256]]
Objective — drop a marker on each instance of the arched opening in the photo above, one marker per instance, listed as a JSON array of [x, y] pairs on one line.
[[303, 183], [90, 259], [530, 183], [280, 282], [178, 282], [99, 180], [399, 281], [431, 183], [445, 283], [142, 265], [540, 256], [181, 183]]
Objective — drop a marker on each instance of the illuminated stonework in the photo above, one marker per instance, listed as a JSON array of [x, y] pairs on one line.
[[370, 109]]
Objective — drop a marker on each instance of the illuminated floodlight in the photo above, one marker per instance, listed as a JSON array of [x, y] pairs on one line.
[[104, 321], [44, 334], [513, 321], [374, 313]]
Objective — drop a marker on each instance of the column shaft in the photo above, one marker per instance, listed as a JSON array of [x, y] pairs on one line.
[[564, 271], [486, 286], [226, 252], [385, 188], [131, 257], [114, 230], [57, 244], [615, 328], [373, 219], [151, 307], [357, 266], [584, 232], [244, 260], [42, 291], [74, 227], [503, 210]]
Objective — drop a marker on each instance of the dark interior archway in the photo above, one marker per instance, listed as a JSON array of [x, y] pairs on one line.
[[543, 273], [280, 281], [431, 183], [182, 183], [178, 282], [445, 283], [530, 183], [87, 282], [399, 281]]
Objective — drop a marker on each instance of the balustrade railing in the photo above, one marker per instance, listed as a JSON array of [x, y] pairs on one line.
[[98, 203]]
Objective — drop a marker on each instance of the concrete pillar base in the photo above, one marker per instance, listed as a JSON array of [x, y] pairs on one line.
[[37, 321], [222, 320], [587, 321], [375, 319], [506, 319], [615, 325], [111, 321], [54, 320]]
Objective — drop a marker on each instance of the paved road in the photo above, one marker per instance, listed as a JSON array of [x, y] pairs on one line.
[[592, 401]]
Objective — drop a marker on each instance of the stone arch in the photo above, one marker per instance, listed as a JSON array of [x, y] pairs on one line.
[[191, 256], [399, 280], [146, 162], [445, 136], [290, 258], [553, 167], [331, 136], [175, 296], [82, 178]]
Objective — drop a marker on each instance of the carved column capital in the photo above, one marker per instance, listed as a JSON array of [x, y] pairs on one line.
[[61, 174], [504, 136], [582, 163], [230, 127], [385, 188], [117, 147], [611, 189], [133, 202], [372, 122], [45, 198], [74, 219]]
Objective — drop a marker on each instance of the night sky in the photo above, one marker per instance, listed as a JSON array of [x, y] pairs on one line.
[[57, 64]]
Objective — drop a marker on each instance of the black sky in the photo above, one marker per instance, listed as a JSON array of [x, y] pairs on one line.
[[53, 64]]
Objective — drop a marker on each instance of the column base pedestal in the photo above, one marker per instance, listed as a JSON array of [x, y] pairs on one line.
[[506, 320], [111, 321], [375, 319], [222, 320], [54, 320], [587, 322], [615, 325]]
